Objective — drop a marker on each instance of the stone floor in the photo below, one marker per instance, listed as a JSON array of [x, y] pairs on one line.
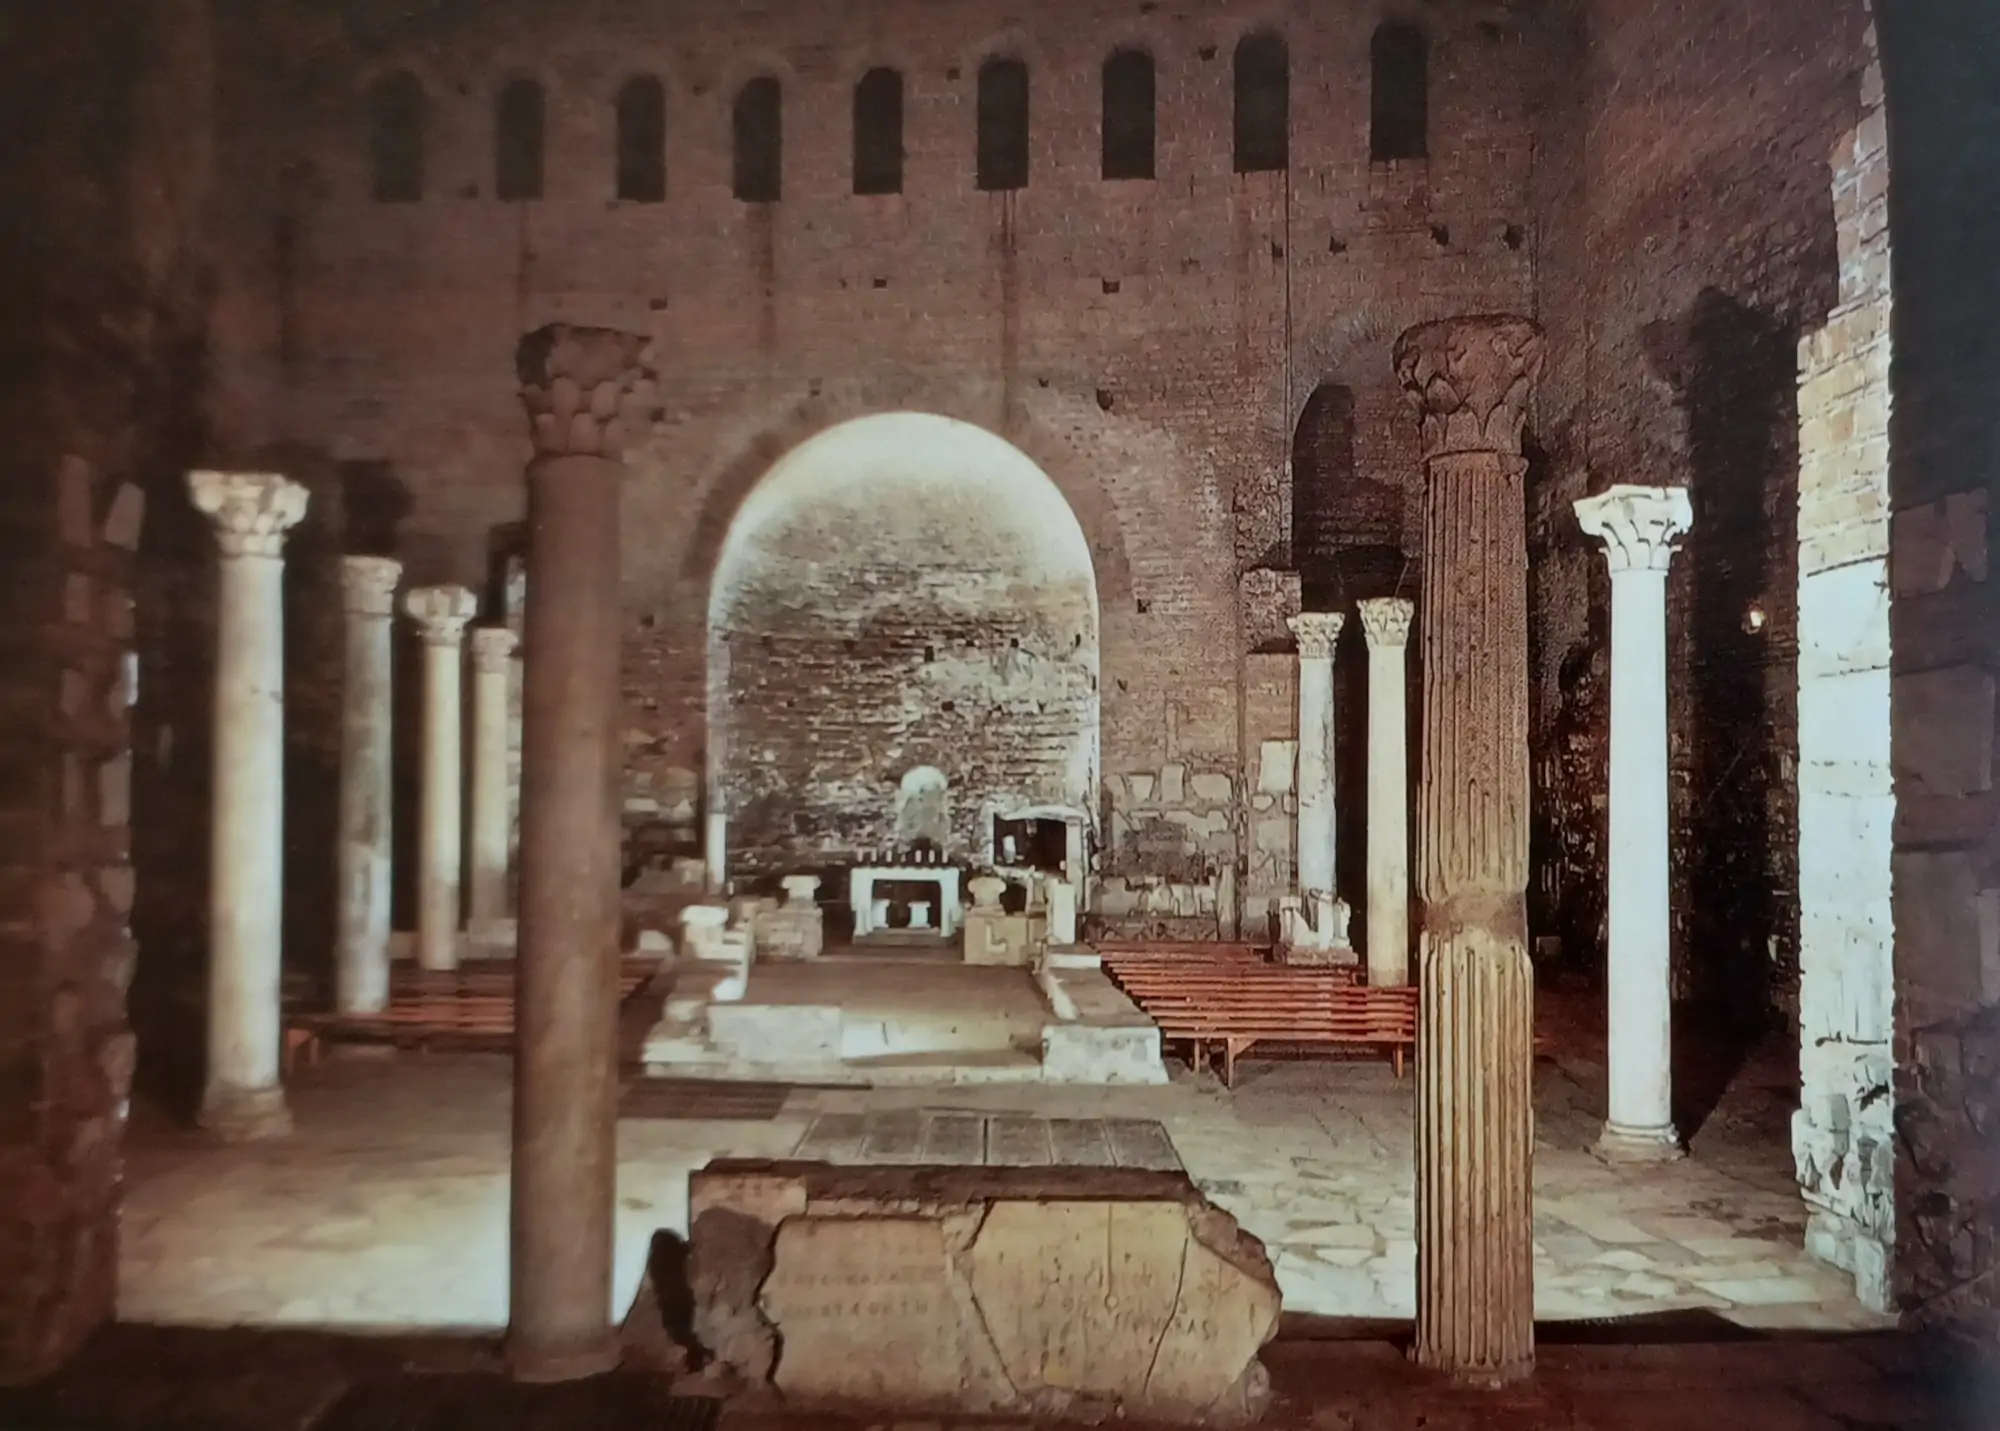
[[388, 1209]]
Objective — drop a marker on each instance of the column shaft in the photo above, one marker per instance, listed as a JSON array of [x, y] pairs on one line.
[[442, 612], [1475, 1046], [1317, 813], [492, 662], [565, 1068], [361, 949], [1386, 623], [1639, 977], [246, 869]]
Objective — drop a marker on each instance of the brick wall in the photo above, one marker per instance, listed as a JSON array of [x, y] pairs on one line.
[[1149, 344], [1687, 241]]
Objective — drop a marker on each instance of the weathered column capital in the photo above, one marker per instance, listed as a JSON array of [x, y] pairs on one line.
[[1385, 620], [368, 584], [589, 392], [492, 648], [442, 612], [1640, 526], [252, 511], [1470, 380], [1317, 631]]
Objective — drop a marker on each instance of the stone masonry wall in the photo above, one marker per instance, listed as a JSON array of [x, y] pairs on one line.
[[1148, 343], [99, 299], [1687, 241], [1942, 60]]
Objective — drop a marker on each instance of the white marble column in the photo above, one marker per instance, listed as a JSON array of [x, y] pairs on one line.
[[715, 850], [361, 949], [252, 511], [442, 612], [492, 668], [1316, 632], [1385, 621], [1640, 527]]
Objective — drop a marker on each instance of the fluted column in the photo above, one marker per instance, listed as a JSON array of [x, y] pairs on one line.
[[1385, 622], [361, 947], [441, 612], [243, 1098], [1640, 527], [492, 666], [1470, 380], [585, 388], [1316, 632]]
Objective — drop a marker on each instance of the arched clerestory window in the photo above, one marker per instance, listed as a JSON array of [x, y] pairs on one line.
[[517, 141], [1003, 124], [759, 141], [878, 132], [1128, 115], [396, 138], [1399, 94], [642, 140], [1263, 103]]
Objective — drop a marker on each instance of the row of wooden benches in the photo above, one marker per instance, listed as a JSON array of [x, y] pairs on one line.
[[470, 1007], [1225, 999]]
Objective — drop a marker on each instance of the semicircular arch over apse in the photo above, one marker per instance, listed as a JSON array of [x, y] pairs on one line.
[[899, 591]]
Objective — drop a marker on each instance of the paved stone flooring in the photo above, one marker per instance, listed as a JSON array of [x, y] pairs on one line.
[[388, 1209]]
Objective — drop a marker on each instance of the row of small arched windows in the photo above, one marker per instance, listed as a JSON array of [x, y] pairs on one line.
[[1398, 124]]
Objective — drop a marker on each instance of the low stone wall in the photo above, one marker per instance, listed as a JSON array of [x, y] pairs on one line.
[[977, 1291]]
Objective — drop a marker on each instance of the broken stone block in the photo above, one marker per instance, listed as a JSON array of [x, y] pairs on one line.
[[1043, 1292]]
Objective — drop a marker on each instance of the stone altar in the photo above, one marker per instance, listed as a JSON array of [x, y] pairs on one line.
[[1011, 1291], [861, 882]]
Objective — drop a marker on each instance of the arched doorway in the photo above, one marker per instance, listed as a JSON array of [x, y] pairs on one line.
[[899, 591]]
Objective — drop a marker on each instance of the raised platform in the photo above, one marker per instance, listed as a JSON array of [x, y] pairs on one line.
[[863, 1016]]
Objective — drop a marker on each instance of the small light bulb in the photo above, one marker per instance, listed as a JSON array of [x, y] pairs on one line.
[[1754, 619]]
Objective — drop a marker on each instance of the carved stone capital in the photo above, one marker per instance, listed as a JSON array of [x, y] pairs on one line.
[[1640, 526], [1385, 620], [442, 612], [1470, 380], [1317, 631], [252, 511], [589, 392], [492, 648], [368, 585]]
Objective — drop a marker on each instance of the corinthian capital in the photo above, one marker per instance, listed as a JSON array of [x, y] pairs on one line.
[[368, 584], [252, 511], [1385, 620], [1470, 380], [442, 612], [492, 648], [1317, 631], [589, 391], [1640, 526]]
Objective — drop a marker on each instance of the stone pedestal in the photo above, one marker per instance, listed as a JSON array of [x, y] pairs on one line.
[[243, 1099], [1062, 913], [1470, 380], [361, 943], [1049, 1293], [1385, 621], [1640, 527], [584, 388], [441, 613], [492, 667], [795, 929]]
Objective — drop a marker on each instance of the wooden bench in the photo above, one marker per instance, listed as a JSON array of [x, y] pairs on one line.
[[467, 1008], [1229, 1002]]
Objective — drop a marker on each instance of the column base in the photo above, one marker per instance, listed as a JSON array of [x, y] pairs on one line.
[[574, 1361], [1619, 1144], [245, 1115], [1482, 1378]]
